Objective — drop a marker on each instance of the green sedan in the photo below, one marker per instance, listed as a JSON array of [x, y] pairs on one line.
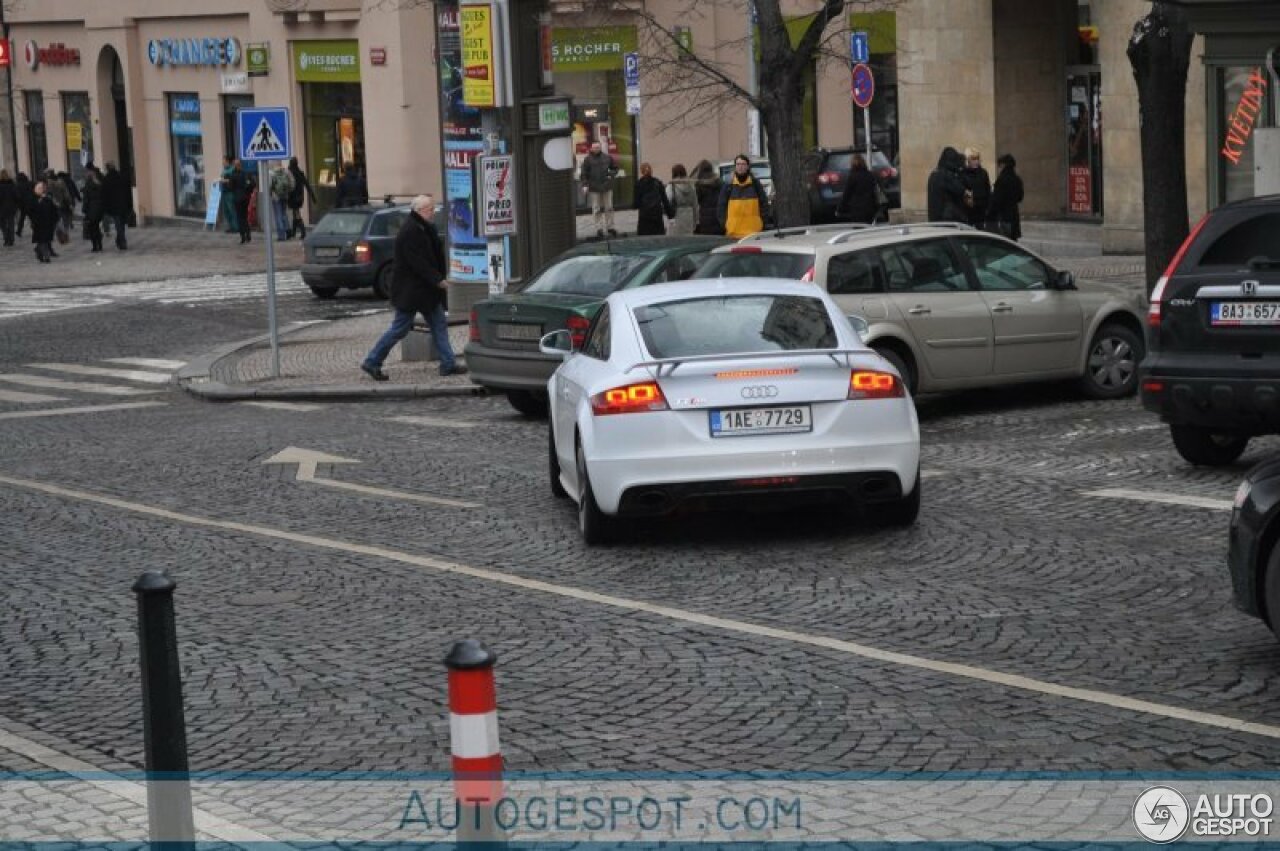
[[503, 350]]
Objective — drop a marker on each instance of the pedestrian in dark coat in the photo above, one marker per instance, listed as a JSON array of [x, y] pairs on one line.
[[978, 185], [707, 184], [417, 286], [94, 209], [8, 206], [858, 203], [946, 189], [44, 221], [117, 203], [1002, 213], [240, 185], [352, 190], [26, 198], [652, 204], [301, 192]]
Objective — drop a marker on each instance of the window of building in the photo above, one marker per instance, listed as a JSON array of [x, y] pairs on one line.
[[230, 105], [78, 126], [37, 140], [1235, 155], [188, 154]]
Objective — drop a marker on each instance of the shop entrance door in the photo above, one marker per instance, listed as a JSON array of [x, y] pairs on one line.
[[1084, 141]]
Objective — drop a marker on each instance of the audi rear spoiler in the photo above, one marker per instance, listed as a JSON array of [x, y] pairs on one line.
[[675, 363]]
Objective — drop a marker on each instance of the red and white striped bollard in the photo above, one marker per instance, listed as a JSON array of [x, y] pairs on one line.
[[473, 733]]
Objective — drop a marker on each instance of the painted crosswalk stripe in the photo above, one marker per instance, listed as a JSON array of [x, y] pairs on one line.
[[26, 398], [75, 386], [1162, 498], [150, 363], [104, 372], [301, 407], [83, 409]]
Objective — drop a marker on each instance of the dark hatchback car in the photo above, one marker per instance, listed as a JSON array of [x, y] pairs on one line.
[[352, 248], [505, 330], [827, 171], [1253, 554], [1212, 369]]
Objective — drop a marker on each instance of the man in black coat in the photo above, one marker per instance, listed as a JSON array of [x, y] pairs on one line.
[[44, 221], [417, 286], [946, 189], [1002, 215], [117, 202]]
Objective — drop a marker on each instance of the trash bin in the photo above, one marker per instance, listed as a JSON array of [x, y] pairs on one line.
[[420, 345]]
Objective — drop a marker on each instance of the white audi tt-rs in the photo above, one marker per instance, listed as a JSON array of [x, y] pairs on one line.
[[705, 392]]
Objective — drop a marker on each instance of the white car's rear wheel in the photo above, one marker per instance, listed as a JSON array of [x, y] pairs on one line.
[[553, 466], [596, 526], [900, 512]]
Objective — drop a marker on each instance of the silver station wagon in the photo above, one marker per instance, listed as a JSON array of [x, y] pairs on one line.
[[954, 308]]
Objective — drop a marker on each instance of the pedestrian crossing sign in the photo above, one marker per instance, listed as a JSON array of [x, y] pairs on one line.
[[264, 133]]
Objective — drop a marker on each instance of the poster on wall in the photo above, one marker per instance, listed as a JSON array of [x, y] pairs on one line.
[[1081, 189], [463, 142]]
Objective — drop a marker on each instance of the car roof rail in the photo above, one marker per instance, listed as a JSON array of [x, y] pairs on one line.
[[800, 230]]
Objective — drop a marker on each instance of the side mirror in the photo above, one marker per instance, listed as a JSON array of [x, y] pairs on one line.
[[557, 344], [859, 324], [1065, 281]]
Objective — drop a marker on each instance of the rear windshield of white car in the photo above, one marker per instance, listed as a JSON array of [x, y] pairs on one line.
[[342, 224], [594, 275], [729, 265], [729, 325]]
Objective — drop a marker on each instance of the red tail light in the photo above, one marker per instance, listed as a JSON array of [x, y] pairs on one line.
[[578, 326], [1153, 387], [746, 249], [473, 328], [887, 173], [364, 254], [829, 178], [632, 399], [869, 384], [1157, 295]]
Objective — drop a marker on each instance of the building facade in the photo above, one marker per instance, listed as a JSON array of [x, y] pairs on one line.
[[154, 84]]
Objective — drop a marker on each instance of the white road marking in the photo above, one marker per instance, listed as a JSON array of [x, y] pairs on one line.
[[79, 387], [442, 422], [849, 648], [307, 461], [83, 409], [26, 398], [178, 290], [150, 363], [128, 790], [286, 406], [123, 374], [932, 474], [1162, 498]]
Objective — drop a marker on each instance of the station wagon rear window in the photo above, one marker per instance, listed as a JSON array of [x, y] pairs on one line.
[[342, 224], [727, 325], [728, 265]]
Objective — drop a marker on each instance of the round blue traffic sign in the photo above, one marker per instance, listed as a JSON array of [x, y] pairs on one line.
[[863, 83]]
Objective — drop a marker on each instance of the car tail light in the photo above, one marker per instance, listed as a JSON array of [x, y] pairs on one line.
[[1157, 295], [829, 178], [887, 173], [473, 328], [364, 254], [808, 276], [746, 249], [870, 384], [631, 399], [578, 326], [1153, 387]]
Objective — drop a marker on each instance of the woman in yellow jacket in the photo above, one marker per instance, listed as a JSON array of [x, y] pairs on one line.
[[743, 204]]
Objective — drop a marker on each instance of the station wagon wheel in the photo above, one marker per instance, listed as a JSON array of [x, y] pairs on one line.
[[382, 283], [1111, 367]]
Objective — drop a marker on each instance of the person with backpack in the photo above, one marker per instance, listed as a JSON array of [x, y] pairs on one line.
[[301, 191], [281, 190]]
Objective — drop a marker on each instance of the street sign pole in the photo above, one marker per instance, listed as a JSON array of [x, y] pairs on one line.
[[267, 213]]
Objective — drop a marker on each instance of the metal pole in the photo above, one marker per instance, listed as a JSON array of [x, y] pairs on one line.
[[267, 213], [8, 87], [866, 129], [163, 724]]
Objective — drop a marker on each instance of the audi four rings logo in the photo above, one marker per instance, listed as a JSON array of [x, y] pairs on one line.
[[760, 391], [1249, 287]]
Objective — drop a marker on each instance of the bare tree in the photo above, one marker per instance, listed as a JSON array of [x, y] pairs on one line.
[[1160, 53]]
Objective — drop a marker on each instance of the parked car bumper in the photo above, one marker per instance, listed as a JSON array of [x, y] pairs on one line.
[[339, 275], [1200, 389], [509, 369]]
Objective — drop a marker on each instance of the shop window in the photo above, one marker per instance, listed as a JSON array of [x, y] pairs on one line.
[[231, 104], [78, 127], [1236, 172], [37, 140], [333, 124], [188, 154]]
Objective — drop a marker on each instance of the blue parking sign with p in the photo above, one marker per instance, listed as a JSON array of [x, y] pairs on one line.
[[631, 70], [264, 133]]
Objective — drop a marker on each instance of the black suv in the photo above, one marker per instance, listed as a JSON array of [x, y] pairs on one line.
[[1213, 334]]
